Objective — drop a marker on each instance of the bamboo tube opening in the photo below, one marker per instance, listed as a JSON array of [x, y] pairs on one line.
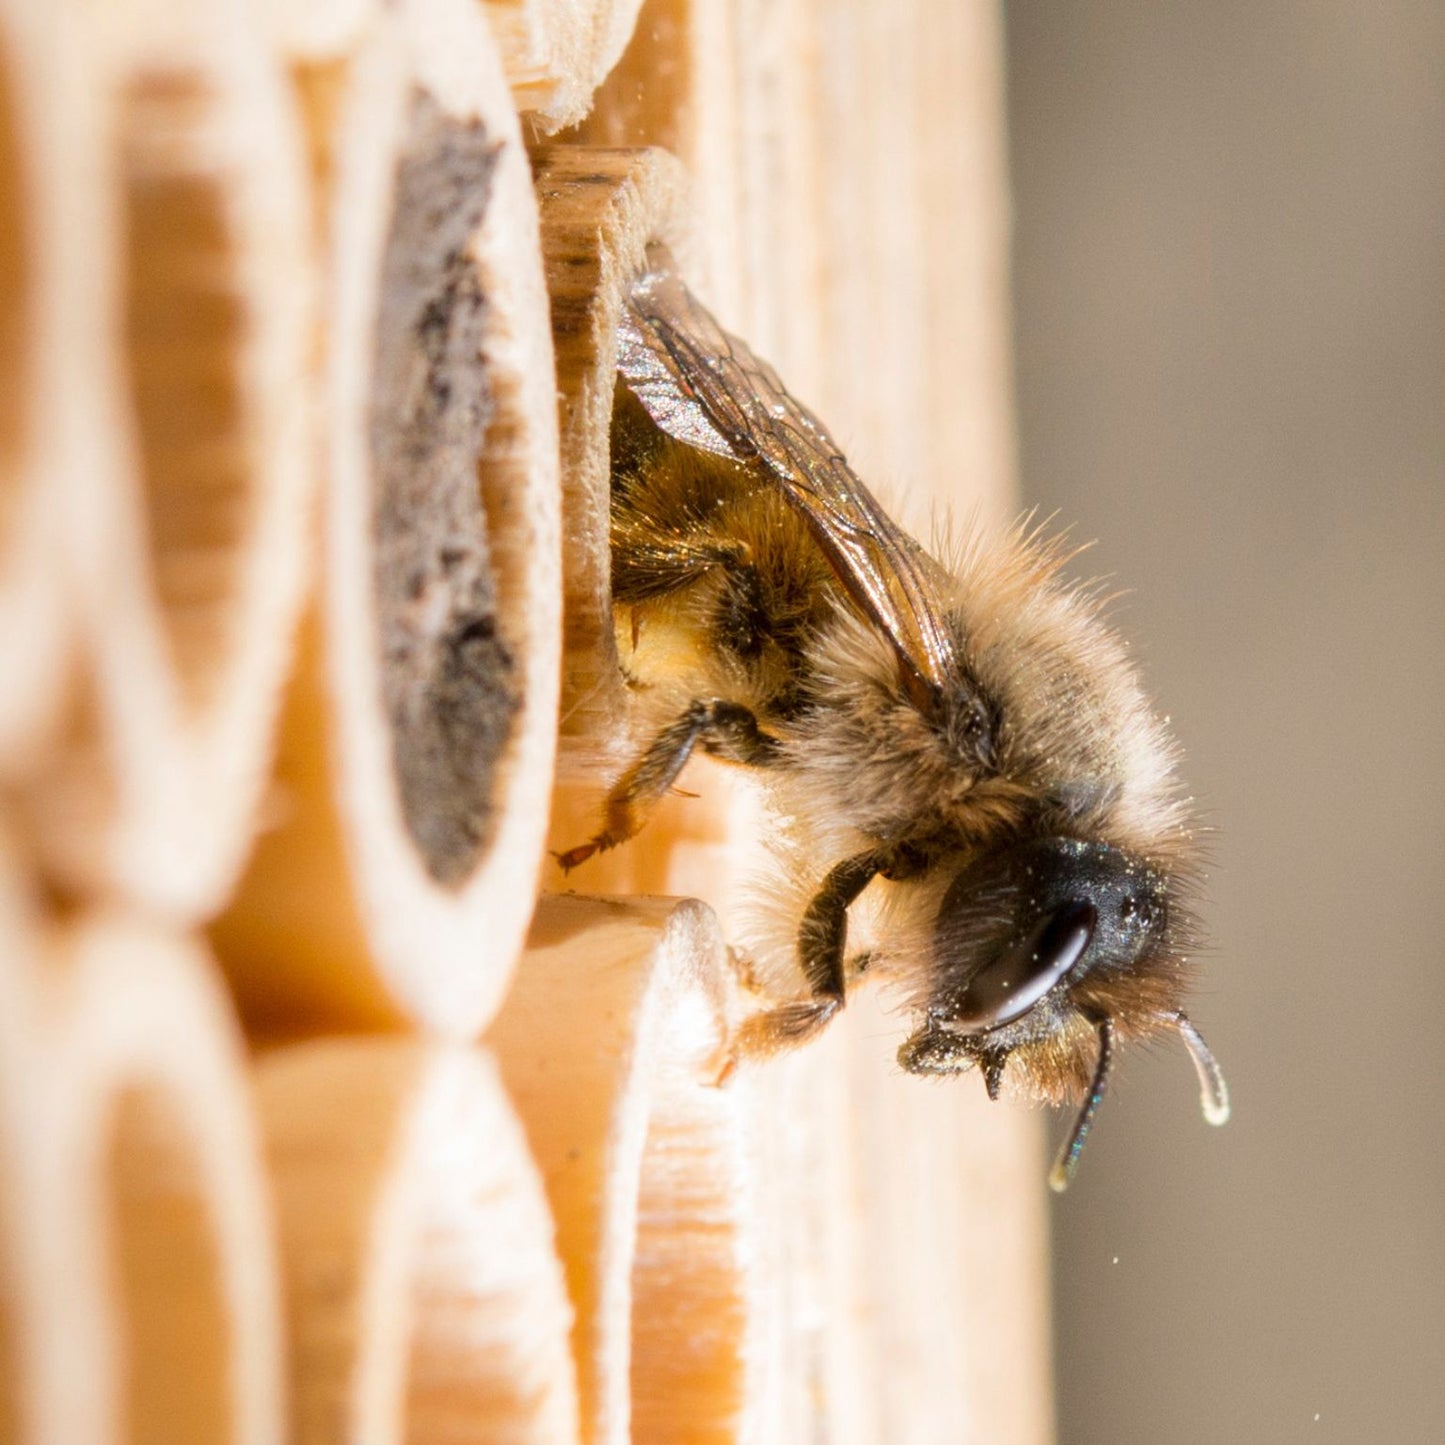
[[38, 421], [185, 327], [600, 210], [426, 1301], [186, 502], [169, 1290], [418, 746], [150, 1229], [462, 458], [488, 1358]]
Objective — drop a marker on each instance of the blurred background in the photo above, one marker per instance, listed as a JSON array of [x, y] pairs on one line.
[[1230, 289]]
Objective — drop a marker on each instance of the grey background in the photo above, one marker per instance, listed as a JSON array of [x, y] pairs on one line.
[[1230, 282]]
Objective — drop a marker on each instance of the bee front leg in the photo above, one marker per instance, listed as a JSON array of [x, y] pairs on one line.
[[726, 730], [821, 939]]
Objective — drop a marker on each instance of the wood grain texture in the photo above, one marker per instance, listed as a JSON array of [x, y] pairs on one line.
[[608, 1044], [556, 52], [305, 239], [417, 747]]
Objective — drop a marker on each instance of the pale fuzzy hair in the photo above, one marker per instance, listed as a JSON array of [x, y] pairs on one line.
[[1069, 693]]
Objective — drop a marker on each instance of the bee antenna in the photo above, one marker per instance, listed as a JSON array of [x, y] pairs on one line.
[[1067, 1163], [1213, 1091], [993, 1067]]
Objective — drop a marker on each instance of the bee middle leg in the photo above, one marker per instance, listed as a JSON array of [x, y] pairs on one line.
[[822, 937], [726, 730]]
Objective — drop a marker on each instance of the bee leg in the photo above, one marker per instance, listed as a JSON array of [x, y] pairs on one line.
[[821, 939], [726, 730]]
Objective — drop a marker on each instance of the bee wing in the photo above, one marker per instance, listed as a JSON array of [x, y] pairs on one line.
[[705, 387]]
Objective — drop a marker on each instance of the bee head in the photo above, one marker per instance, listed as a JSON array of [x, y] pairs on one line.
[[1043, 953]]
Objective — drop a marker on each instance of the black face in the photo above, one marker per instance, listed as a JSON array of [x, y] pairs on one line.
[[1017, 923], [1030, 941]]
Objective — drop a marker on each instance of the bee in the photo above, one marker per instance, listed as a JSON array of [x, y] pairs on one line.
[[967, 742]]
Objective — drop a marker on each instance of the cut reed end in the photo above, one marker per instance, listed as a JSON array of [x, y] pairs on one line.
[[610, 1042], [424, 1296], [428, 702]]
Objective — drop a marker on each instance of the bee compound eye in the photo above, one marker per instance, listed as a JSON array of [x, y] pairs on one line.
[[1013, 983]]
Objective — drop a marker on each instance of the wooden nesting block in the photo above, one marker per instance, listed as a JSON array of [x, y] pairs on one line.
[[140, 1298], [416, 756], [557, 52], [424, 1297], [609, 1043], [184, 289]]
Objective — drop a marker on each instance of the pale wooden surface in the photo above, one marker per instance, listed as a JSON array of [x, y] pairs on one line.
[[557, 52], [38, 445]]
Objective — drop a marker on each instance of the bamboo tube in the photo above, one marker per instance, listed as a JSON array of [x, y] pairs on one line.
[[424, 1297], [184, 294], [37, 438], [140, 1293], [556, 52], [608, 1043], [416, 756]]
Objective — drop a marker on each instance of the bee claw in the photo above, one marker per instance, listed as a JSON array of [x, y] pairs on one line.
[[573, 856], [786, 1027]]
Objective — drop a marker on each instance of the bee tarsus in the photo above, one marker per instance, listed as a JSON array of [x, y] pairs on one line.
[[722, 729]]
